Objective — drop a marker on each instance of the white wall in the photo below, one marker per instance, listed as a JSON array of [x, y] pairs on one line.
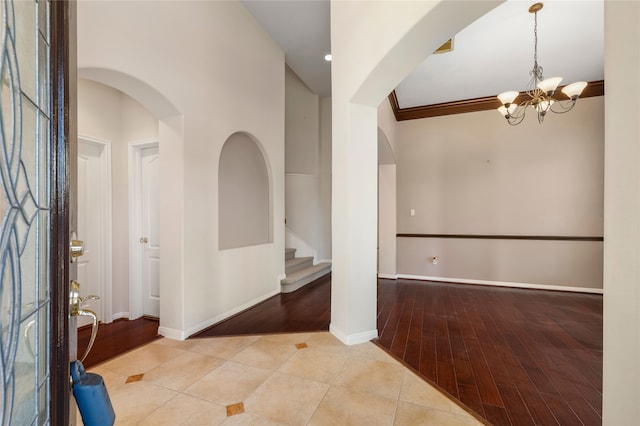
[[387, 123], [206, 70], [109, 115], [306, 162], [325, 178], [302, 131], [474, 174]]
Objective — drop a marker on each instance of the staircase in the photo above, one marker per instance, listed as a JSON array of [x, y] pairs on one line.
[[301, 271]]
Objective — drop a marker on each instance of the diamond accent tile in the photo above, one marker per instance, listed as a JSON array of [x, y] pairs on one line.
[[134, 378], [234, 409], [301, 345]]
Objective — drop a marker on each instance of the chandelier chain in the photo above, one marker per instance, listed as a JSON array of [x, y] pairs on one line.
[[537, 71], [535, 40]]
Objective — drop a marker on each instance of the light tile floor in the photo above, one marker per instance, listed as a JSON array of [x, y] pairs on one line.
[[285, 379]]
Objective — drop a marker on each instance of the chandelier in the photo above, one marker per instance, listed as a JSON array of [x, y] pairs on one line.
[[539, 91]]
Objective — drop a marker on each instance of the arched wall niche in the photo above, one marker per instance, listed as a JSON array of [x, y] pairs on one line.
[[244, 193]]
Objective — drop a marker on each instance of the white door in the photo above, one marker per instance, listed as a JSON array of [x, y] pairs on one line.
[[150, 238], [90, 226]]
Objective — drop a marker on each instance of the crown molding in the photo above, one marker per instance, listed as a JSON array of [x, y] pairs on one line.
[[594, 88]]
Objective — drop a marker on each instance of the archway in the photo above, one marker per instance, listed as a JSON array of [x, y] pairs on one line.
[[170, 142], [367, 64]]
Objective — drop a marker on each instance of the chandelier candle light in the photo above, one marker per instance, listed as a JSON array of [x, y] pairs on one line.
[[539, 90]]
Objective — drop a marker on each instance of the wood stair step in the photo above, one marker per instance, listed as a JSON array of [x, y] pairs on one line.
[[289, 253], [297, 263], [304, 276]]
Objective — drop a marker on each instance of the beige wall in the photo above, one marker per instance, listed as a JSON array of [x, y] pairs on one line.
[[475, 174], [109, 115], [621, 365], [387, 221]]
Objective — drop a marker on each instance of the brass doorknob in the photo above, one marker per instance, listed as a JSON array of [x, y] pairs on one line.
[[76, 247]]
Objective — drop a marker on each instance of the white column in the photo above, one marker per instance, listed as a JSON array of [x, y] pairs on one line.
[[171, 132], [354, 221]]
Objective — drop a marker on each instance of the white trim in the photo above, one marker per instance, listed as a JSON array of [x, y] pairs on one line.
[[388, 276], [325, 261], [135, 227], [208, 323], [106, 231], [171, 333], [503, 284], [352, 339], [119, 315]]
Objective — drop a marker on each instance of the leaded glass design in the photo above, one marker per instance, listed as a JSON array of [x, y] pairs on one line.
[[24, 208]]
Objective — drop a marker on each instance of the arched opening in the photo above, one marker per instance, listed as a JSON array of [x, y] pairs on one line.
[[244, 207], [135, 107], [361, 79]]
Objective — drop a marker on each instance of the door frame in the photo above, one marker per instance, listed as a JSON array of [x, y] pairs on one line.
[[135, 227], [106, 226], [64, 124]]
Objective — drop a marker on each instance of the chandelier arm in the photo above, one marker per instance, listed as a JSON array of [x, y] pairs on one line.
[[565, 105], [514, 121], [518, 114]]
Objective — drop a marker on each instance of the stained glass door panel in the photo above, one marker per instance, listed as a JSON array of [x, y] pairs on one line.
[[24, 208]]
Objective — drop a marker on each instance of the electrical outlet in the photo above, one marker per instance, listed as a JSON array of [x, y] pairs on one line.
[[434, 260]]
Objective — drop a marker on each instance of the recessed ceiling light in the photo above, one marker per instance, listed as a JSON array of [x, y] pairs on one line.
[[327, 57]]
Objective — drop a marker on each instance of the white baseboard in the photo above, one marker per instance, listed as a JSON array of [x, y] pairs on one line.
[[171, 333], [503, 284], [324, 261], [119, 315], [388, 276], [204, 324], [352, 339]]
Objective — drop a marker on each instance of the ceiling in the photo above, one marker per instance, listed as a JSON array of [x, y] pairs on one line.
[[490, 56]]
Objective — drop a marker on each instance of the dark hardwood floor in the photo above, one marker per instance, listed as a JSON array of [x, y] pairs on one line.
[[512, 356], [116, 338], [307, 309]]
